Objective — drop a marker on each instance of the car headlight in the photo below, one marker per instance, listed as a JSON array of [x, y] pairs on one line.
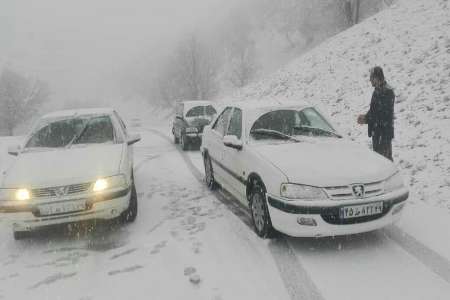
[[191, 130], [395, 182], [15, 195], [302, 192], [108, 183]]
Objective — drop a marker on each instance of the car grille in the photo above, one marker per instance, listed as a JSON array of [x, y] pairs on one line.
[[50, 192], [346, 192]]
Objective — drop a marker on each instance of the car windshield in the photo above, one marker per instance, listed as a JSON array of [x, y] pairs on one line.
[[67, 132], [283, 123], [200, 111]]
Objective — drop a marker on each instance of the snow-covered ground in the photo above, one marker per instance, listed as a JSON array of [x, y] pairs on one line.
[[189, 243], [411, 41]]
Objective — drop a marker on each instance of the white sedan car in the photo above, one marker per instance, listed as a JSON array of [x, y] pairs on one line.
[[297, 174], [74, 165]]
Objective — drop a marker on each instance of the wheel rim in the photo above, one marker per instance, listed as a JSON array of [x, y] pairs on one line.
[[208, 171], [258, 211]]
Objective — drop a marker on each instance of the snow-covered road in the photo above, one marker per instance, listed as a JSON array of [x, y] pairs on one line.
[[189, 243]]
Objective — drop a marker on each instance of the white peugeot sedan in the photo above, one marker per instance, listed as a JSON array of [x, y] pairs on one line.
[[297, 174], [74, 165]]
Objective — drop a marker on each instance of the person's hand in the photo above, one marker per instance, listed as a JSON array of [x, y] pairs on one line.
[[361, 119]]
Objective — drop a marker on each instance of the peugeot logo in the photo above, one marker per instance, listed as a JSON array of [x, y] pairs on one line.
[[61, 191], [358, 190]]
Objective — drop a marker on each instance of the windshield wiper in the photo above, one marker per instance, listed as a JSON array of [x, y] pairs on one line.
[[318, 129], [77, 136], [274, 133]]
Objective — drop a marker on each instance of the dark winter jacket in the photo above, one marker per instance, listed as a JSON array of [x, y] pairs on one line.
[[380, 117]]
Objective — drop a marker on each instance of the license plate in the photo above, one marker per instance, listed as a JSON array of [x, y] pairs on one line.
[[62, 208], [356, 211]]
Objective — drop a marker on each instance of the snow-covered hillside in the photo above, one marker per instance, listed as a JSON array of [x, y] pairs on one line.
[[411, 41]]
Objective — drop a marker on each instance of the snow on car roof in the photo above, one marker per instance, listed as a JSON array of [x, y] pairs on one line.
[[268, 104], [193, 103], [78, 112], [196, 102]]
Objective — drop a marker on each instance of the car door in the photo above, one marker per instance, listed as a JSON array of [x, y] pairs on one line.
[[215, 143], [234, 159]]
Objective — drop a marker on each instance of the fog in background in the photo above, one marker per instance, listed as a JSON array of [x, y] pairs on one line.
[[84, 48], [58, 54]]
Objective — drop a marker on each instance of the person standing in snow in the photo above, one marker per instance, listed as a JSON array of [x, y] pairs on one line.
[[380, 117]]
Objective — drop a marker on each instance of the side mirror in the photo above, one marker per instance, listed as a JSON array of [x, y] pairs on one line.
[[133, 138], [14, 150], [178, 117], [233, 142]]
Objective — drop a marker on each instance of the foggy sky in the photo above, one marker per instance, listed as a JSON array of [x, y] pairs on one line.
[[82, 46]]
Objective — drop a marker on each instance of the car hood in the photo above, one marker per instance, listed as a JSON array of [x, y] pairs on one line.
[[327, 162], [63, 166]]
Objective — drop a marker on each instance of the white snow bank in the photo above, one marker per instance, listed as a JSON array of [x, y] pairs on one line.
[[411, 41]]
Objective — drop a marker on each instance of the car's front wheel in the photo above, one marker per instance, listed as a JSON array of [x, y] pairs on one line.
[[130, 214], [209, 173], [175, 139], [260, 213], [184, 142]]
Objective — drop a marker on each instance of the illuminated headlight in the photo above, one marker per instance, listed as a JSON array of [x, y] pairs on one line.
[[302, 192], [108, 183], [15, 194], [191, 130], [395, 182]]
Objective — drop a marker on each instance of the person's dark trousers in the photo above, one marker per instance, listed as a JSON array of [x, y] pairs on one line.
[[382, 146]]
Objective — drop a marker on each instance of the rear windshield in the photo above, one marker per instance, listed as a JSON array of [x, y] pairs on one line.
[[199, 111]]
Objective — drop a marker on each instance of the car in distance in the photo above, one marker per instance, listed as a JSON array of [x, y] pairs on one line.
[[75, 165], [297, 175], [190, 119]]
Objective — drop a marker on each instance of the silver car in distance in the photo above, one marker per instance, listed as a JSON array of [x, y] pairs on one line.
[[297, 175]]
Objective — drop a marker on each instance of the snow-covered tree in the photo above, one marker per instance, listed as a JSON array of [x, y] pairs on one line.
[[20, 98], [190, 73]]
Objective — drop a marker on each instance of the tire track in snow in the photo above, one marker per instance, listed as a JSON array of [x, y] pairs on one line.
[[296, 280], [432, 260]]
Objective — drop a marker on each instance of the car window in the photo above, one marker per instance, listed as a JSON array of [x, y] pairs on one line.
[[56, 134], [199, 111], [312, 118], [222, 121], [235, 127], [280, 120], [196, 111], [210, 110], [97, 130], [290, 122]]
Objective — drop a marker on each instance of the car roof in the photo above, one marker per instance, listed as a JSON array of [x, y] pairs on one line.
[[258, 104], [196, 102], [79, 112]]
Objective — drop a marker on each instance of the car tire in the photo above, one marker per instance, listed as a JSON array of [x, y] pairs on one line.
[[184, 142], [130, 214], [260, 213], [209, 173], [20, 235], [175, 139]]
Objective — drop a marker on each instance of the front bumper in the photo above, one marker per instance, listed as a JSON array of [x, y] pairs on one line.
[[104, 207], [285, 215]]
